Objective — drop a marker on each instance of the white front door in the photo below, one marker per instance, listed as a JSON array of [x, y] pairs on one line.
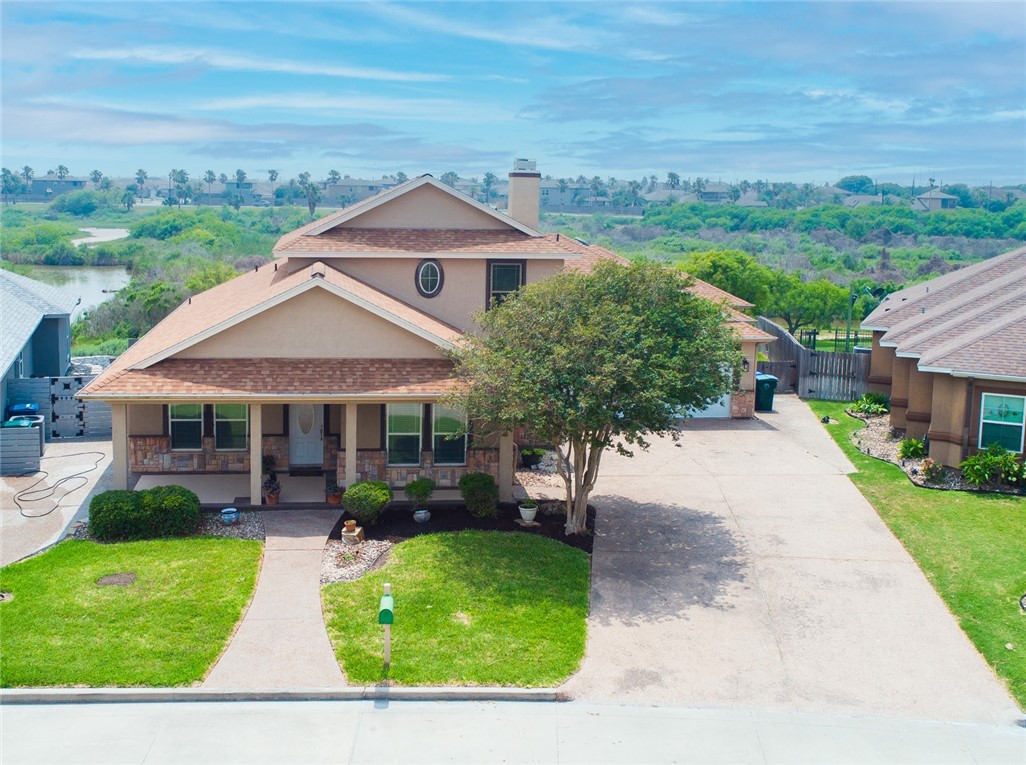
[[306, 434]]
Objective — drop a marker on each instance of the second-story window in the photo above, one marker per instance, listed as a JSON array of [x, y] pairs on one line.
[[504, 278], [429, 278]]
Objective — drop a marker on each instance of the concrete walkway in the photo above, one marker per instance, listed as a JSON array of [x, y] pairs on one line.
[[744, 569], [281, 642], [518, 732]]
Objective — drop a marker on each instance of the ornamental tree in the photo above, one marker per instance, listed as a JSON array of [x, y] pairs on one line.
[[595, 361]]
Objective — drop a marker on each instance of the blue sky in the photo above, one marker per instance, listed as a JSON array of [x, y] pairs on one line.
[[773, 90]]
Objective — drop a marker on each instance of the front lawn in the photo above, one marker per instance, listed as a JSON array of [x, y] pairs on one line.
[[471, 608], [970, 546], [165, 628]]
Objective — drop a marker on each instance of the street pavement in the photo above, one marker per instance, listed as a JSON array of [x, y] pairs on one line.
[[744, 569], [474, 732]]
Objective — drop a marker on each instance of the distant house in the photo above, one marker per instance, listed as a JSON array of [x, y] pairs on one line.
[[951, 353], [750, 199], [715, 193], [862, 200], [351, 190], [36, 337], [669, 196], [934, 199], [50, 187]]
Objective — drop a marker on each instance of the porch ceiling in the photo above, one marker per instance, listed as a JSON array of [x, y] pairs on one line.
[[278, 378]]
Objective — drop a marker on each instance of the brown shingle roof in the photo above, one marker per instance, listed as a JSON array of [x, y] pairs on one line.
[[400, 242], [271, 377], [250, 293], [968, 322]]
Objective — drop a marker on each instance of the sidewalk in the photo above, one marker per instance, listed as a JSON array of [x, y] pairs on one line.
[[281, 642], [518, 732]]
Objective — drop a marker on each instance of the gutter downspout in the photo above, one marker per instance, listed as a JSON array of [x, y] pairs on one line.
[[970, 389]]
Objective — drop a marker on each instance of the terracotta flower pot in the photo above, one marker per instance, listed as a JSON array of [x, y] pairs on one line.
[[272, 500], [334, 499], [350, 525]]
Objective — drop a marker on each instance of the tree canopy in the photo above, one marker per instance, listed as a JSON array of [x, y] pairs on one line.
[[591, 361]]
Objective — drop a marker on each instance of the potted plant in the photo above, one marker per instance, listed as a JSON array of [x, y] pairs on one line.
[[272, 488], [333, 493], [419, 491], [528, 509], [350, 525], [530, 458]]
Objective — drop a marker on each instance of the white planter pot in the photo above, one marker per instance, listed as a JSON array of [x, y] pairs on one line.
[[528, 513]]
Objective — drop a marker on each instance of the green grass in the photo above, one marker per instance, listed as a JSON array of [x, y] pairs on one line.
[[970, 546], [166, 629], [471, 608]]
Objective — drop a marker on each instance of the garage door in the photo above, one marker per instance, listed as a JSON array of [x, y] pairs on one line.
[[717, 410]]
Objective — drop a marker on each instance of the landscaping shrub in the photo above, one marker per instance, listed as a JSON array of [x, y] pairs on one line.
[[933, 471], [912, 448], [420, 490], [174, 510], [996, 465], [872, 403], [118, 514], [366, 500], [480, 494], [163, 511]]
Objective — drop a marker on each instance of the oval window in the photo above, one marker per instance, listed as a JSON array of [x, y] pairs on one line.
[[429, 278]]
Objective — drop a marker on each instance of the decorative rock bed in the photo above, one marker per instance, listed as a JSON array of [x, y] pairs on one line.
[[344, 562], [877, 439]]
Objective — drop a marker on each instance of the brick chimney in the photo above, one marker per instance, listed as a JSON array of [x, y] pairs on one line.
[[524, 192]]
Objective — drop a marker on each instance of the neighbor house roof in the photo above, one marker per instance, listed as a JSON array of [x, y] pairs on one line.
[[225, 305], [968, 323], [414, 242], [24, 303]]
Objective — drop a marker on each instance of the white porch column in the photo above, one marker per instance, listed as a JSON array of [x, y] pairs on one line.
[[119, 445], [350, 444], [505, 478], [256, 451]]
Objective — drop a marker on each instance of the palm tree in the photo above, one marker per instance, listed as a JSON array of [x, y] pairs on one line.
[[563, 185], [96, 176], [105, 184], [313, 196], [304, 178], [292, 189], [170, 180], [222, 178], [128, 198], [209, 177], [334, 176], [240, 177], [672, 180], [449, 178], [272, 176], [27, 173], [489, 182], [140, 178], [401, 177], [62, 172]]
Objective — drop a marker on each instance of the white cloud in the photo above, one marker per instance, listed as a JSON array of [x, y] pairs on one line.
[[361, 106], [235, 62]]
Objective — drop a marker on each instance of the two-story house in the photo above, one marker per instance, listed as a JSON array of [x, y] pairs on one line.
[[332, 357]]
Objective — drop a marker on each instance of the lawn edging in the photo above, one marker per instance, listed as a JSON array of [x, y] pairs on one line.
[[352, 693]]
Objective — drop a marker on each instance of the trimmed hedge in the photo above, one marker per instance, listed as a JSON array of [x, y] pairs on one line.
[[481, 494], [163, 511], [366, 500]]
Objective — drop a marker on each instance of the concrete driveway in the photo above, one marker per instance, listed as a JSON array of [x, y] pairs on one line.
[[744, 569]]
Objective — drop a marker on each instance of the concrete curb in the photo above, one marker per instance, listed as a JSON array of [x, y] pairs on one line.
[[354, 693]]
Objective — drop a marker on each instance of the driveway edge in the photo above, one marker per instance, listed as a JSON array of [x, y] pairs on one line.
[[352, 693]]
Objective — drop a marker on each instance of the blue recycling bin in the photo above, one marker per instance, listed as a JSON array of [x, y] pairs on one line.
[[14, 410], [765, 385]]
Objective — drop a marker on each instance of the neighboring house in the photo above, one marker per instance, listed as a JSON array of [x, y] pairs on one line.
[[49, 187], [669, 196], [951, 352], [934, 199], [862, 200], [36, 330], [715, 193], [351, 190], [750, 199], [332, 357]]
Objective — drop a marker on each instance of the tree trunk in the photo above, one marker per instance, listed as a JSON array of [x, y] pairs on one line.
[[586, 455]]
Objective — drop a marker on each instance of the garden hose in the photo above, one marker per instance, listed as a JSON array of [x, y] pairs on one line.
[[32, 494]]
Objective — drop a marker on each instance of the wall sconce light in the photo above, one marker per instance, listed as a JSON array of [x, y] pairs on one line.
[[745, 365]]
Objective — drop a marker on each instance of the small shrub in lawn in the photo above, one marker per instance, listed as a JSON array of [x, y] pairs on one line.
[[872, 403], [419, 490], [119, 514], [366, 500], [933, 471], [174, 510], [480, 494], [912, 448]]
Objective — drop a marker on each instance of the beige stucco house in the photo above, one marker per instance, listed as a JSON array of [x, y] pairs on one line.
[[332, 358], [951, 352]]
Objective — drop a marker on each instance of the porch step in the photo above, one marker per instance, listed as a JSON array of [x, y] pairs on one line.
[[301, 470]]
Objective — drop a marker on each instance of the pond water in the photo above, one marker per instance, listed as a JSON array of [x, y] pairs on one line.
[[93, 284]]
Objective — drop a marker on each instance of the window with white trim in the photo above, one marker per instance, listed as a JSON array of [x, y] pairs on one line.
[[403, 423], [185, 426], [429, 278], [449, 443], [1002, 421], [231, 427]]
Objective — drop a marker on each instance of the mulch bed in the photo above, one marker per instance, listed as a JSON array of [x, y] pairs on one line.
[[397, 524]]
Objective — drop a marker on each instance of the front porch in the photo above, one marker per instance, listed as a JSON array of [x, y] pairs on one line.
[[232, 490]]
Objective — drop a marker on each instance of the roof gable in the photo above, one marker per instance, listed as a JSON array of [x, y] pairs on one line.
[[24, 303]]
